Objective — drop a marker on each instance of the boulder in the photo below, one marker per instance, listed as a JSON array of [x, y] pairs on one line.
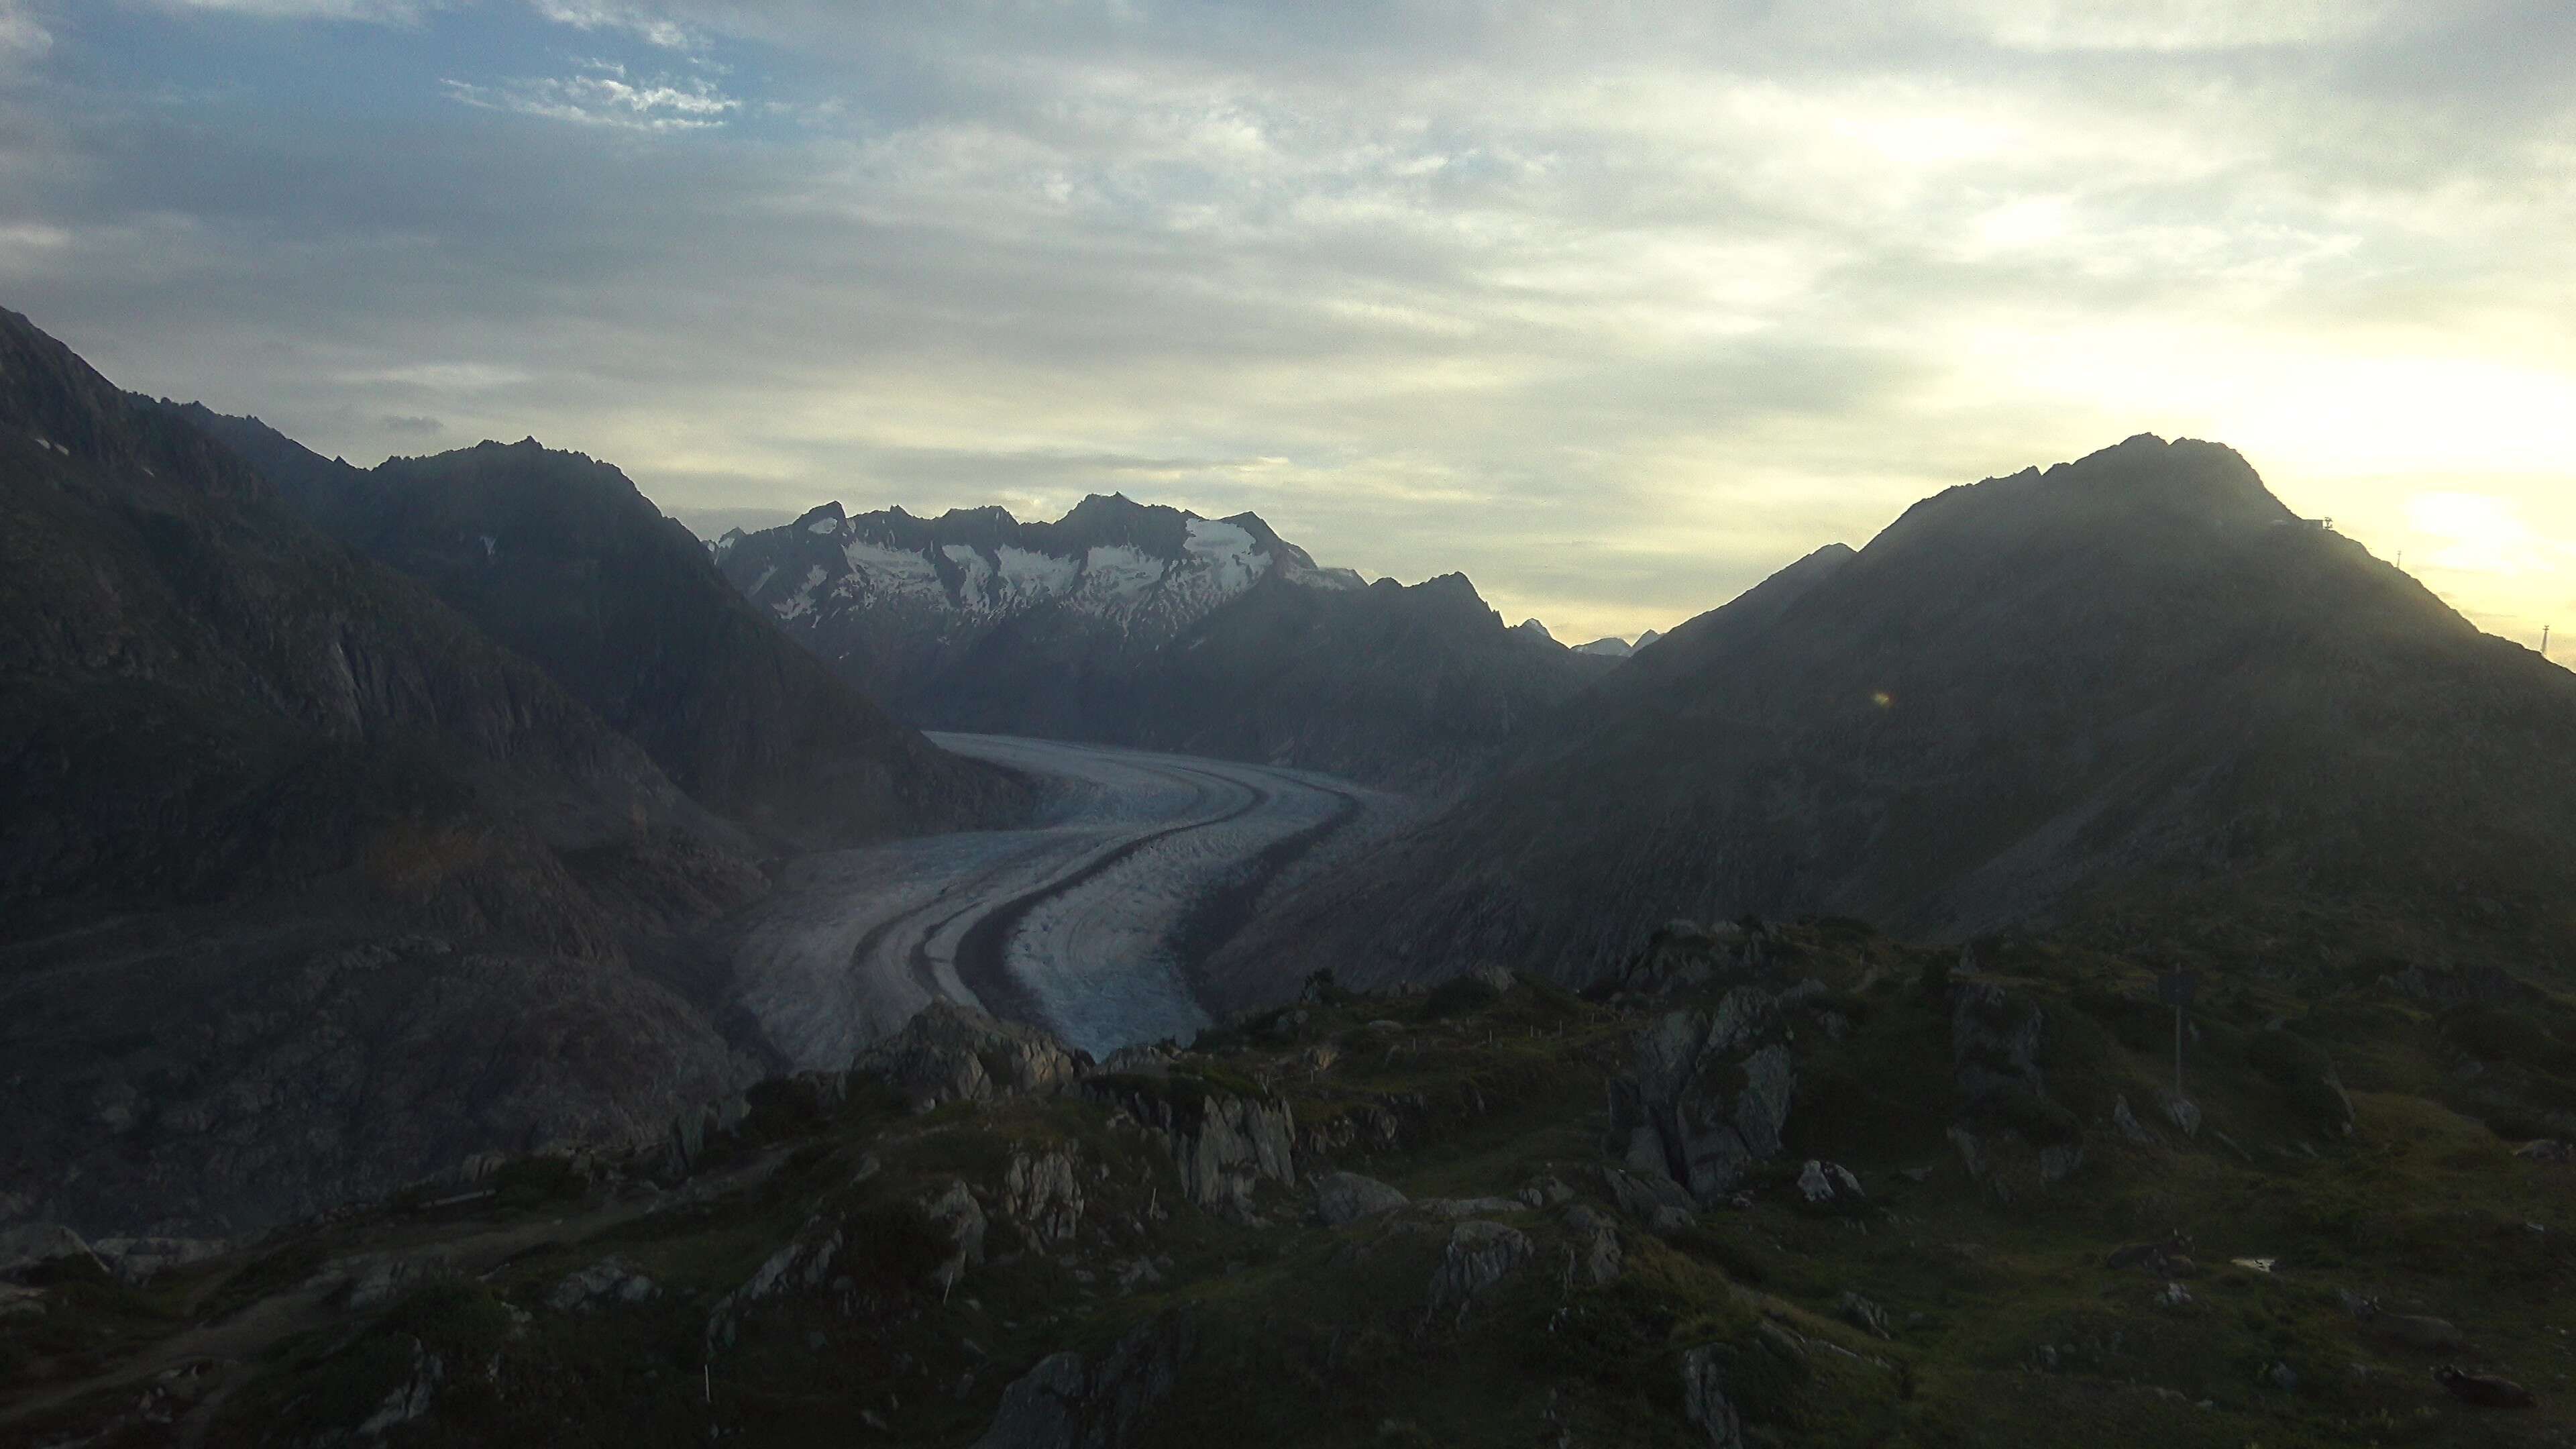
[[1597, 1255], [1829, 1184], [2183, 1112], [603, 1284], [1071, 1402], [1706, 1094], [1642, 1196], [1479, 1256], [803, 1265], [954, 1053], [1042, 1192], [410, 1400], [2059, 1161], [2126, 1123], [1861, 1313], [1995, 1041], [1704, 1400], [954, 1211], [1343, 1198]]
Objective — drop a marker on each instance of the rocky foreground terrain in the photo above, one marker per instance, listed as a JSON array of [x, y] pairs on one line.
[[1790, 1185]]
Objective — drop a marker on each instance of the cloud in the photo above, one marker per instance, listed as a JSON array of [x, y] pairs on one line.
[[378, 11], [606, 15], [22, 37], [1614, 308], [410, 424], [600, 95]]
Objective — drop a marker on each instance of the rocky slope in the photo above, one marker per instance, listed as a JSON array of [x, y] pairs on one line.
[[2130, 680], [559, 557], [1848, 1192], [307, 888], [1130, 624]]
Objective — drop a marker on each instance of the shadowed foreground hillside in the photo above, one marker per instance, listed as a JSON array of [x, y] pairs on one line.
[[1788, 1186], [306, 886]]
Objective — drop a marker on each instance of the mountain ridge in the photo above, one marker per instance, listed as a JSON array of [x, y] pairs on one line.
[[560, 557], [312, 889], [2135, 677], [1096, 626]]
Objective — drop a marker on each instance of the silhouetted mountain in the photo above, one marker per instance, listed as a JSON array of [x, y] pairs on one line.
[[1144, 625], [1417, 685], [559, 557], [2133, 679], [306, 887]]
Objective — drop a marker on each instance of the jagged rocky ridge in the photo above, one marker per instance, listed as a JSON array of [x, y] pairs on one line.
[[307, 888], [1140, 625], [2130, 683], [967, 1240], [557, 556]]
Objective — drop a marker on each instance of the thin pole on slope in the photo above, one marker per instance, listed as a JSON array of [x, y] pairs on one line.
[[2544, 641]]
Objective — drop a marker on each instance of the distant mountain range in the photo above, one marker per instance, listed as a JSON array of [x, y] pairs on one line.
[[353, 822], [2132, 683], [1617, 648], [1136, 624]]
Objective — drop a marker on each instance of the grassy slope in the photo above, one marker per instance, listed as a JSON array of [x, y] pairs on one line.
[[2008, 1326]]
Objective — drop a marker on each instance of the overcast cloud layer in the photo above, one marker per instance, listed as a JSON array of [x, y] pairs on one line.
[[1614, 311]]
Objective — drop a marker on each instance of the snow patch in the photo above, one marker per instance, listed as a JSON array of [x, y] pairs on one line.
[[891, 567], [1028, 577], [766, 575], [1226, 552], [824, 525], [975, 589], [802, 601], [1120, 571]]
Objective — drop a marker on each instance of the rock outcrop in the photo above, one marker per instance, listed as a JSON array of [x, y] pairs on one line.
[[1069, 1401], [1706, 1095], [1480, 1255], [1343, 1198], [1995, 1042], [1223, 1141], [1704, 1400], [954, 1053], [1042, 1192]]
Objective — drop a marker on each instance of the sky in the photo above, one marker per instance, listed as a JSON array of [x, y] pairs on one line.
[[1614, 308]]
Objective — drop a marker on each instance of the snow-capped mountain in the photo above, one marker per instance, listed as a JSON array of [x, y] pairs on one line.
[[897, 602], [1136, 624]]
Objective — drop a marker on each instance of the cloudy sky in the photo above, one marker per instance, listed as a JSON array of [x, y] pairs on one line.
[[1615, 308]]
